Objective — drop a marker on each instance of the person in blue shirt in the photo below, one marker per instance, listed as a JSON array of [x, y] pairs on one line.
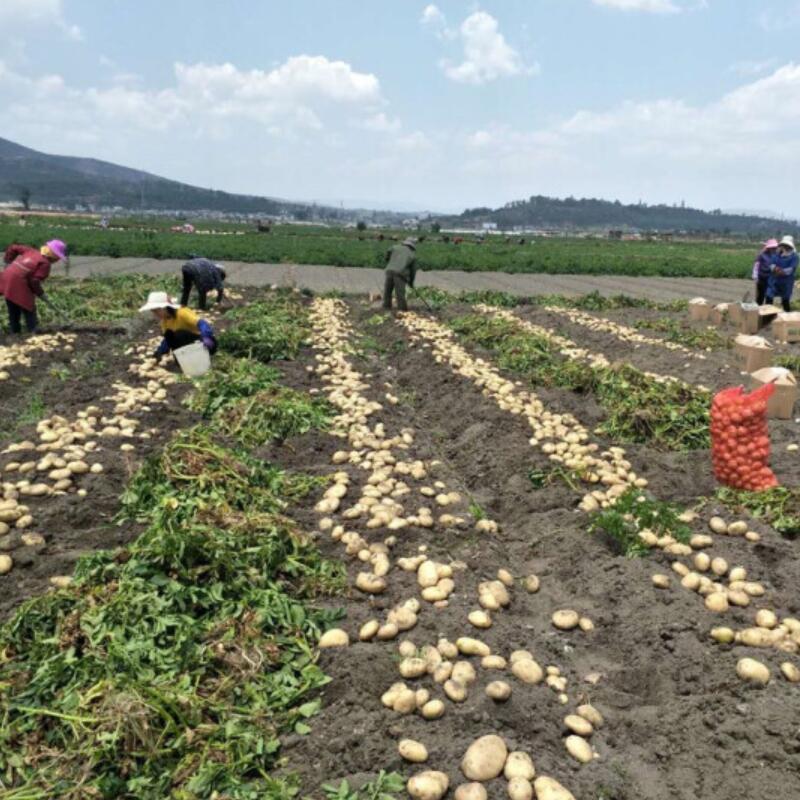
[[762, 269], [784, 269]]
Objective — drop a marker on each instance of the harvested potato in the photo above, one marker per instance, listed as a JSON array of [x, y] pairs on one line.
[[407, 648], [5, 564], [585, 624], [433, 709], [550, 789], [471, 791], [472, 647], [413, 667], [480, 619], [428, 785], [368, 630], [737, 528], [718, 525], [505, 577], [566, 619], [578, 725], [61, 581], [591, 714], [717, 602], [660, 581], [579, 749], [494, 662], [519, 765], [532, 584], [498, 690], [335, 637], [753, 671], [723, 635], [485, 758], [527, 670], [464, 672], [412, 751], [520, 789], [766, 618], [790, 672], [455, 691], [719, 566]]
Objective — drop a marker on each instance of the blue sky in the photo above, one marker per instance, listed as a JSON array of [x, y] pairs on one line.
[[407, 104]]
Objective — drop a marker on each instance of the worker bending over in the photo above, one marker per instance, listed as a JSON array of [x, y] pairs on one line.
[[205, 275], [21, 280], [401, 269], [180, 325]]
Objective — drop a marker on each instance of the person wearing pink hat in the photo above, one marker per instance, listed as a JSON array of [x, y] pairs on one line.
[[762, 269], [21, 280]]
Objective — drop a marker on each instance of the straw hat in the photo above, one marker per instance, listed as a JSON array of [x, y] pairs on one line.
[[788, 241], [156, 300]]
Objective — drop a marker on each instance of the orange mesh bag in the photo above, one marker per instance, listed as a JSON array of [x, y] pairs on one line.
[[740, 438]]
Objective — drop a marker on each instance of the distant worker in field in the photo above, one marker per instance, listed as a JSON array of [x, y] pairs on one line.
[[762, 269], [205, 275], [180, 325], [784, 269], [401, 269], [21, 281]]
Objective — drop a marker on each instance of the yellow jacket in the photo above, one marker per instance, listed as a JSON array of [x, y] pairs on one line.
[[184, 320]]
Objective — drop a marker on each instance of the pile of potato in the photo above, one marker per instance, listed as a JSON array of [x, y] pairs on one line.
[[19, 354], [65, 450], [379, 502], [622, 332], [560, 436], [567, 347], [486, 759]]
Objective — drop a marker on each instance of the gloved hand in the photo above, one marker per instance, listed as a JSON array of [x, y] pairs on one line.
[[208, 342]]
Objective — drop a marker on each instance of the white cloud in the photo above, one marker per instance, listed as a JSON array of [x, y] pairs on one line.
[[381, 123], [39, 13], [649, 6], [433, 17], [302, 94], [487, 55], [749, 68]]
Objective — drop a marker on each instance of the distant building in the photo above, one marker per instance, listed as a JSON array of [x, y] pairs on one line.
[[489, 226]]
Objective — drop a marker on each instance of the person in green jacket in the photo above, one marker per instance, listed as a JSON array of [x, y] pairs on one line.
[[401, 269]]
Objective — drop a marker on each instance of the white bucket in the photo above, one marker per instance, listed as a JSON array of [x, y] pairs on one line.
[[193, 359]]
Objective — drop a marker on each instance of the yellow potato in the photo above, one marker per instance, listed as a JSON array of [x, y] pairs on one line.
[[471, 791], [498, 690], [550, 789], [753, 671], [335, 637], [566, 619], [485, 758], [519, 765], [591, 714], [579, 749], [527, 670], [428, 785], [413, 751], [520, 789]]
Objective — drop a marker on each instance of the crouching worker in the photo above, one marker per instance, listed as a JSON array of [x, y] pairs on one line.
[[180, 326], [21, 281], [205, 275]]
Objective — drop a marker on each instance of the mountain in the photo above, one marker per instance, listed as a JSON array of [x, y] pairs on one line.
[[588, 213], [67, 182]]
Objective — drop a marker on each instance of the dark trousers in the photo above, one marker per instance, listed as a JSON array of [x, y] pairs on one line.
[[188, 282], [786, 302], [15, 314], [397, 284], [176, 339], [761, 290]]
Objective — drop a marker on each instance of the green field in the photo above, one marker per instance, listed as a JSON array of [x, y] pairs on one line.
[[294, 244]]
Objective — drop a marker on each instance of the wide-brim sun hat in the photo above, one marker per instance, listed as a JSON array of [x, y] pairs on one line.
[[788, 241], [770, 243], [58, 249], [410, 243], [156, 300]]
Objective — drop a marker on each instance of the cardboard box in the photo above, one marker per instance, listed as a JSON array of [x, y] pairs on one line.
[[781, 404], [735, 312], [719, 314], [786, 327], [699, 309], [767, 314], [749, 319], [752, 352]]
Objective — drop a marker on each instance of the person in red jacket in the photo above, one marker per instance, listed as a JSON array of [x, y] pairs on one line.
[[21, 280]]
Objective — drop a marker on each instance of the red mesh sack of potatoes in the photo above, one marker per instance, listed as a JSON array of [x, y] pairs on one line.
[[740, 438]]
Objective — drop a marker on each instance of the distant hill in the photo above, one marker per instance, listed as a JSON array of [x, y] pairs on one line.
[[69, 182], [587, 213]]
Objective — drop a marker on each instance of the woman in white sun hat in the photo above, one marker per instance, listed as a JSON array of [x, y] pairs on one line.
[[784, 269], [180, 325]]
